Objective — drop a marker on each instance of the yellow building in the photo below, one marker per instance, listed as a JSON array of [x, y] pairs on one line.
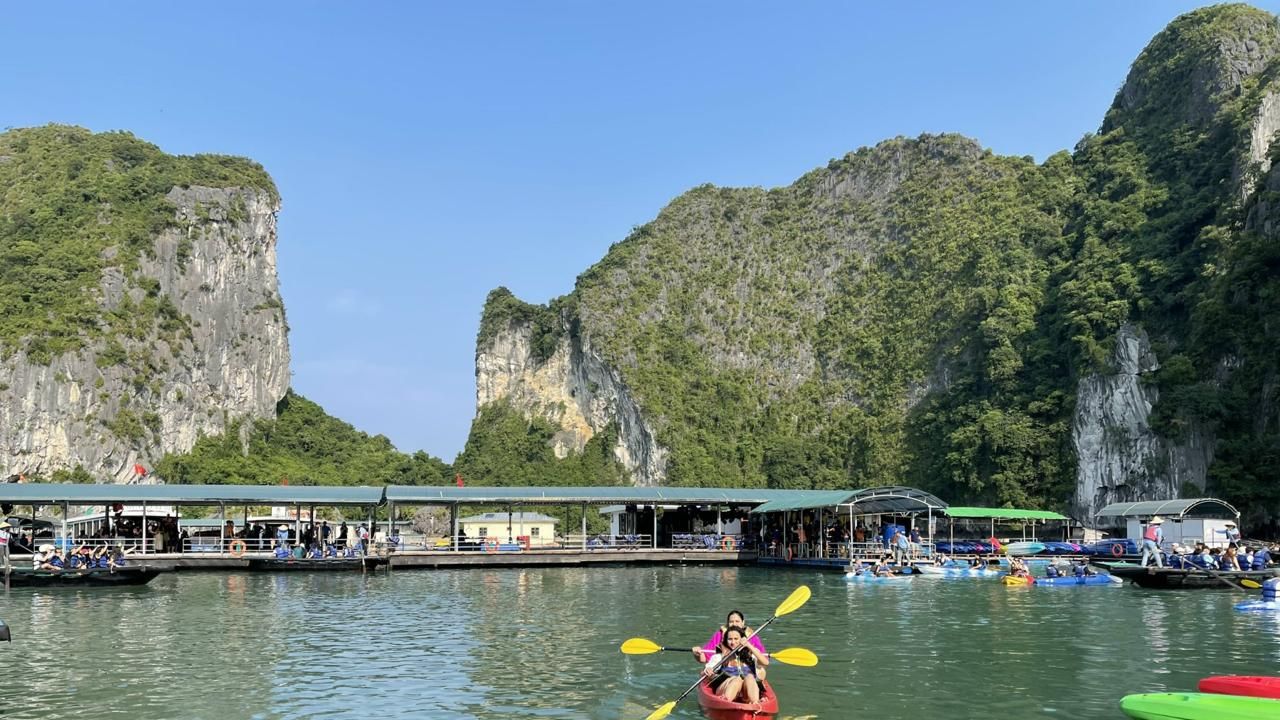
[[506, 527]]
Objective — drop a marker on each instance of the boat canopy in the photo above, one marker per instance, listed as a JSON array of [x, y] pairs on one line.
[[1187, 507], [1003, 513], [892, 500]]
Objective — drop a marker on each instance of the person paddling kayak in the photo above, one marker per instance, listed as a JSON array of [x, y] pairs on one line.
[[711, 647], [739, 675]]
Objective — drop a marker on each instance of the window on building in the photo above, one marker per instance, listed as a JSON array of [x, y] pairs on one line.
[[484, 532], [533, 531]]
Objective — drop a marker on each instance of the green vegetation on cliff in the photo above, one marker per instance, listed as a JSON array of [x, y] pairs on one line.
[[75, 203], [922, 312], [506, 449], [303, 446]]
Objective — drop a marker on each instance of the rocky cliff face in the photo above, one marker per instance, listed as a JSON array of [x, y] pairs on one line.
[[219, 352], [573, 389], [1097, 328], [1119, 456]]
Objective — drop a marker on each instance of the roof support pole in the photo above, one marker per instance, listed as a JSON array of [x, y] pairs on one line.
[[719, 523], [655, 526], [246, 524], [144, 527], [584, 526], [453, 524], [222, 526], [297, 523], [65, 547]]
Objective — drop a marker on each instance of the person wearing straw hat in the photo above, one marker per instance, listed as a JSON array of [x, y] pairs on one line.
[[1152, 537], [1233, 534]]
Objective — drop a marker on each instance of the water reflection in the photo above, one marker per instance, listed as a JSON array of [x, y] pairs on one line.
[[543, 643]]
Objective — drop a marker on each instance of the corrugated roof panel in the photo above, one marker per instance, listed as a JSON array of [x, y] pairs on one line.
[[57, 493], [1003, 513], [1171, 508]]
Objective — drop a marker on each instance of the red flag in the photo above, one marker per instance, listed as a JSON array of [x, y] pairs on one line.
[[458, 479], [139, 470]]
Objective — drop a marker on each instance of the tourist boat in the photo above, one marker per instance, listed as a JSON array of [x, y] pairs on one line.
[[1248, 685], [1199, 706], [127, 575], [717, 708], [291, 564], [1072, 580], [1167, 577]]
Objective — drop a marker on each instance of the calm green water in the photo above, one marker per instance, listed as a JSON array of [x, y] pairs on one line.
[[543, 643]]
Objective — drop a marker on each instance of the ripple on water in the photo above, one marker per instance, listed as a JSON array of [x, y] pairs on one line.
[[543, 643]]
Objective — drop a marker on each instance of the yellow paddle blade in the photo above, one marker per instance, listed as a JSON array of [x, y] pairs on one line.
[[793, 601], [795, 656], [662, 712], [640, 646], [1251, 584]]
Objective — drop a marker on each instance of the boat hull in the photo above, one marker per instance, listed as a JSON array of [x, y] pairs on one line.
[[1199, 706], [1246, 685], [314, 564], [1182, 578], [1073, 581], [127, 575], [1024, 548], [717, 708]]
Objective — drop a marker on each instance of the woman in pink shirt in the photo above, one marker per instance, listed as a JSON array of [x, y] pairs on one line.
[[734, 618]]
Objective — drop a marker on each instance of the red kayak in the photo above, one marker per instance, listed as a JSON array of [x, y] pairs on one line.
[[1250, 685], [717, 708]]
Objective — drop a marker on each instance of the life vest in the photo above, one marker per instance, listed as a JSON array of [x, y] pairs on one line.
[[1151, 533]]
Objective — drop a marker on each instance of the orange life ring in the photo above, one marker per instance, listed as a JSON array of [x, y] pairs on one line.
[[787, 554], [237, 548], [1117, 550], [726, 542], [491, 545]]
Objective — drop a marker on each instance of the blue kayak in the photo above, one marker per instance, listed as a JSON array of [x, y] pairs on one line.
[[869, 578], [1073, 580]]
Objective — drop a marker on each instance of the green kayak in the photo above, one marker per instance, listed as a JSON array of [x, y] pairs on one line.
[[1199, 706]]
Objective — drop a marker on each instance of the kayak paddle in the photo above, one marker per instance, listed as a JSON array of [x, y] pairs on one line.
[[787, 656], [793, 602]]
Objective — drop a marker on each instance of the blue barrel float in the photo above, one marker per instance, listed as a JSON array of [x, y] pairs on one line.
[[1270, 598]]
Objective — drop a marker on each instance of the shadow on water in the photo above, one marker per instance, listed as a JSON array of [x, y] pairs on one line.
[[543, 643]]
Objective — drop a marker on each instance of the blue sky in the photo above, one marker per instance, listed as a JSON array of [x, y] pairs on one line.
[[427, 152]]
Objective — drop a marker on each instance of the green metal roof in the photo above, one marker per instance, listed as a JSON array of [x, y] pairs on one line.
[[805, 500], [58, 493], [1003, 513], [449, 495], [1202, 507], [895, 499]]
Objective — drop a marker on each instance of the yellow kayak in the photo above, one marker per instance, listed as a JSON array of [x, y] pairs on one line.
[[1012, 580]]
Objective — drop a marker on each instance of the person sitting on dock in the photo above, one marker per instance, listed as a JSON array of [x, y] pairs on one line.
[[1152, 537], [282, 552], [737, 676], [1051, 570]]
